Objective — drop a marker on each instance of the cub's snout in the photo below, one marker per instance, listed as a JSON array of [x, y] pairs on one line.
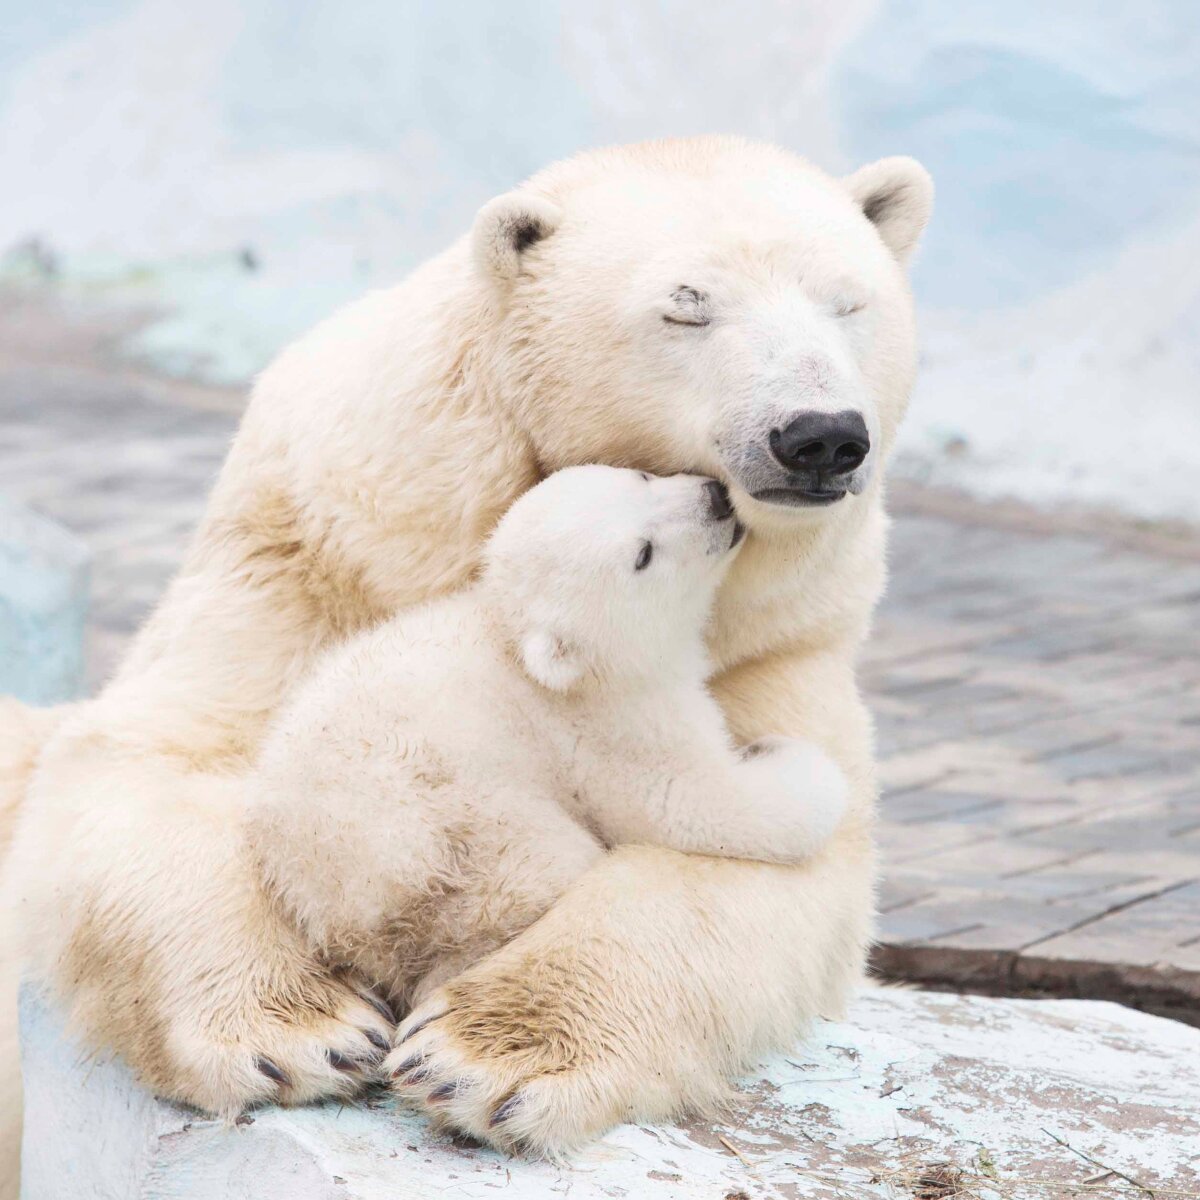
[[720, 510], [719, 504]]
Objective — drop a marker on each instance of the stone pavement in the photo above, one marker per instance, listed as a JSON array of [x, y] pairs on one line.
[[1036, 682], [1038, 702]]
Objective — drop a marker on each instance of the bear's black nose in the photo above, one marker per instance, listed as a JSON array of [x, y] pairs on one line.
[[831, 443], [718, 500]]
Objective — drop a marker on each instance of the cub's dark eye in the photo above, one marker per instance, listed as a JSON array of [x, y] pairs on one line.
[[645, 554], [646, 475], [689, 307]]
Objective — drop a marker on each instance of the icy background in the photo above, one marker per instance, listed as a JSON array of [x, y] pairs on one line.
[[249, 164]]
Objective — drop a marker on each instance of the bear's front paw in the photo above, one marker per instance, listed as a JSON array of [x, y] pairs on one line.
[[482, 1056], [322, 1039]]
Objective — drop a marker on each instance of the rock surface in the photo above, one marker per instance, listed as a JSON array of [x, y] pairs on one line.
[[914, 1094]]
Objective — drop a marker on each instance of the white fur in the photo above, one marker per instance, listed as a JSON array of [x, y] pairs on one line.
[[375, 457], [404, 837]]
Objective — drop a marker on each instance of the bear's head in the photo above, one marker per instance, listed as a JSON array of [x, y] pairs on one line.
[[710, 305], [599, 573]]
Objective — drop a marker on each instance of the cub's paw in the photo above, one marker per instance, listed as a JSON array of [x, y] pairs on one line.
[[769, 744], [482, 1057], [810, 791], [291, 1045]]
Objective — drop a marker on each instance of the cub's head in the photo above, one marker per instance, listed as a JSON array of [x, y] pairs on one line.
[[601, 573], [710, 304]]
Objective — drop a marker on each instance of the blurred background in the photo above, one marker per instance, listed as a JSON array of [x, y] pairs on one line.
[[242, 166], [188, 185]]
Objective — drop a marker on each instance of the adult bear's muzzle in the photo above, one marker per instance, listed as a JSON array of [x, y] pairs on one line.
[[820, 453]]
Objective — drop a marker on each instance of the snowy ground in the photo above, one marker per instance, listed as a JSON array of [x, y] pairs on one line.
[[246, 165]]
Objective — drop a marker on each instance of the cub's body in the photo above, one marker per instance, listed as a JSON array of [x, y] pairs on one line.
[[439, 782], [398, 810]]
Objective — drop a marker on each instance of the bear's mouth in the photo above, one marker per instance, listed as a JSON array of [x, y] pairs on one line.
[[814, 497]]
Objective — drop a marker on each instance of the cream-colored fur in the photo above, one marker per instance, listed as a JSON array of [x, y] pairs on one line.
[[374, 458], [437, 783]]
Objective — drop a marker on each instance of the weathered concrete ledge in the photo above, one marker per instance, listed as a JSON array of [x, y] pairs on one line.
[[915, 1094], [1158, 987]]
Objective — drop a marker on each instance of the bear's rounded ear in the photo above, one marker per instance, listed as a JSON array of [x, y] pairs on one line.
[[550, 661], [506, 227], [896, 196]]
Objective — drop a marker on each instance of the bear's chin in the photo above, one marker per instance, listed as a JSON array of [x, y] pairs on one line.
[[800, 498], [787, 512]]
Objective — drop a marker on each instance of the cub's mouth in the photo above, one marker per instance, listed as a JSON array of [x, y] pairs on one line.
[[796, 497]]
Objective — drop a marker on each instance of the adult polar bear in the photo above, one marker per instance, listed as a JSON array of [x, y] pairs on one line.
[[706, 304]]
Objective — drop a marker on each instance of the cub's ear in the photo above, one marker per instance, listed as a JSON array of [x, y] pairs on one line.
[[551, 661], [896, 196], [506, 227]]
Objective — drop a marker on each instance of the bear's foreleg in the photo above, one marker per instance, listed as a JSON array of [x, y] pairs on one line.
[[659, 976], [140, 910]]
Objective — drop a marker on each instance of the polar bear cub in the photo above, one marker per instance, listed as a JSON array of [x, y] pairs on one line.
[[438, 782]]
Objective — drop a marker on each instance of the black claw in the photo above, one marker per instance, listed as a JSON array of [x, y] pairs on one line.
[[505, 1109], [271, 1071], [413, 1060], [340, 1062], [419, 1026], [445, 1092], [377, 1040], [381, 1006], [419, 1075]]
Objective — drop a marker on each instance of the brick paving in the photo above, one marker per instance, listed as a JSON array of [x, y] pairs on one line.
[[1038, 703], [1036, 682]]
